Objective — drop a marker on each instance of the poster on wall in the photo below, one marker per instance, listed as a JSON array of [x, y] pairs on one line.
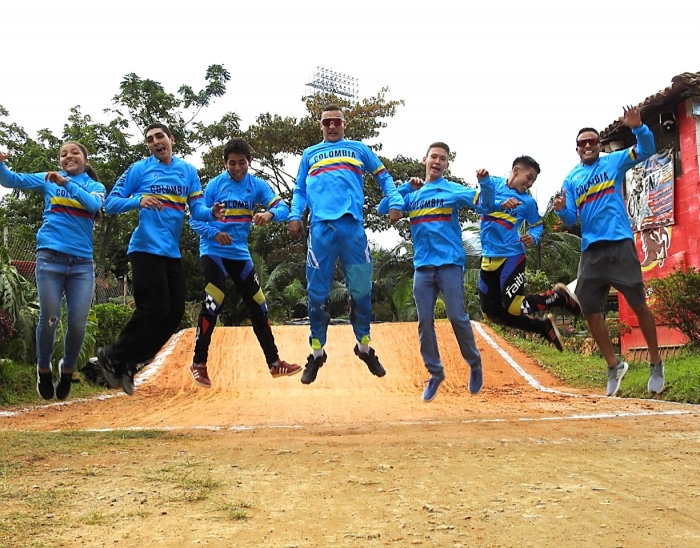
[[649, 191]]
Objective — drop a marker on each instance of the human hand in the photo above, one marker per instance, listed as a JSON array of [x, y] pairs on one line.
[[416, 183], [223, 238], [55, 178], [295, 227], [151, 202], [510, 203], [632, 118], [559, 202], [218, 210], [261, 219], [4, 156], [527, 239], [481, 174], [395, 215]]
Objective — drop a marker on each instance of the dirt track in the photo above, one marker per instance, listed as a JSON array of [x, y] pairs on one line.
[[353, 460]]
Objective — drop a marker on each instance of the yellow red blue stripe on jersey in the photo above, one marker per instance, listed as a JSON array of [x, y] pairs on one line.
[[171, 201], [237, 216], [274, 202], [500, 218], [69, 207], [335, 164], [380, 170], [596, 192], [433, 215]]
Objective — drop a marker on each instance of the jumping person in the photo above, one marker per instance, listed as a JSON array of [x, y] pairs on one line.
[[503, 260], [592, 192], [223, 248], [330, 182], [159, 186], [439, 259], [72, 199]]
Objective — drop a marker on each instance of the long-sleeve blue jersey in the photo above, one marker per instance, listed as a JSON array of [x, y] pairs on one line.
[[330, 181], [499, 229], [69, 211], [175, 185], [240, 199], [594, 193], [433, 211]]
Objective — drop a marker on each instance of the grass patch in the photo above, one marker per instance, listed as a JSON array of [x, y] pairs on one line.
[[682, 371], [234, 510], [18, 385]]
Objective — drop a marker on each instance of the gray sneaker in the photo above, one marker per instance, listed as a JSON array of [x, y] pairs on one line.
[[656, 378], [615, 375]]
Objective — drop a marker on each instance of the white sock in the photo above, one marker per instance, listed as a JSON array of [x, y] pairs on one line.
[[364, 348], [273, 364], [318, 353]]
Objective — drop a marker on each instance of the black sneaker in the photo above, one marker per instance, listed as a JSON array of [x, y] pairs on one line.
[[111, 370], [312, 367], [128, 379], [372, 361], [44, 384], [63, 385], [551, 333], [568, 299]]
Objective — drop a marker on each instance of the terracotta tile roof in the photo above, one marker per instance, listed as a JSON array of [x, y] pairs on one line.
[[682, 86]]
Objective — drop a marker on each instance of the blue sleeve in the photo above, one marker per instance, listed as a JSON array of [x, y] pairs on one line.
[[272, 202], [482, 200], [532, 216], [374, 165], [121, 199], [568, 215], [92, 200], [21, 181], [645, 148], [404, 191], [198, 209], [299, 200], [203, 228]]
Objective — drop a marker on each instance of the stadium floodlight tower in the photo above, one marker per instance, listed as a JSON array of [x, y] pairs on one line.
[[325, 80]]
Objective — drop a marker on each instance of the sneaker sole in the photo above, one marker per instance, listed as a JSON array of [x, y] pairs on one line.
[[550, 317], [573, 298], [199, 383]]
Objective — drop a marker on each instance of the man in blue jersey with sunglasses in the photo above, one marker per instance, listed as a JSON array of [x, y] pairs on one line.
[[592, 192], [330, 183]]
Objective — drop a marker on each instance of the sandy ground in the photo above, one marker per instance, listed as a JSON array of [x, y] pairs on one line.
[[355, 460]]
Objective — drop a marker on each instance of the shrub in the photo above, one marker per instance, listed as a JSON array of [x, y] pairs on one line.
[[675, 300], [111, 318], [7, 326]]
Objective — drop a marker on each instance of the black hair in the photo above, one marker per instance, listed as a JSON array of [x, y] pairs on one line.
[[586, 129], [527, 162], [158, 125], [331, 107], [237, 146], [439, 144]]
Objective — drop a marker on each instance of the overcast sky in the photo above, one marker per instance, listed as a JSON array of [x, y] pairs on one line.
[[493, 79]]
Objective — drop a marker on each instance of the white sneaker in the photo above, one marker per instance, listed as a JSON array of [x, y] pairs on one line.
[[656, 378], [615, 375]]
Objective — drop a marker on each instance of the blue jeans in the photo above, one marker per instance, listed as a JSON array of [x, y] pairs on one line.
[[58, 274], [449, 279], [342, 239]]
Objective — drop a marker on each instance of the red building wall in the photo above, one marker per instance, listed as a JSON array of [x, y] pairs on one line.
[[681, 242]]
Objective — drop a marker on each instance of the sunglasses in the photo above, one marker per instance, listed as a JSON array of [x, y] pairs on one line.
[[327, 122], [583, 142]]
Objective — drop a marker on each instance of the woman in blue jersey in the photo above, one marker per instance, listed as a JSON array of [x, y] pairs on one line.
[[64, 266]]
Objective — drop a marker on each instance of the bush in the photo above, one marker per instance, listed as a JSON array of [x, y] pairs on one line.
[[111, 318], [675, 301], [7, 327]]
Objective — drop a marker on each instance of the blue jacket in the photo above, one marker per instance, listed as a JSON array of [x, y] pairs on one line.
[[240, 198], [499, 229], [433, 211], [69, 211], [330, 181], [594, 193], [175, 185]]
